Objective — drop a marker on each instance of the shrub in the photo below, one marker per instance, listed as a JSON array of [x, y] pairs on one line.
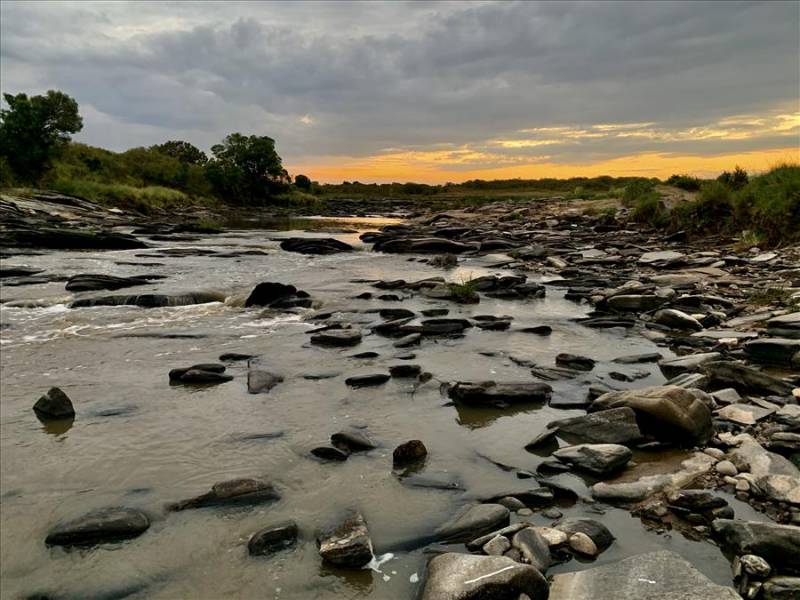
[[463, 292], [684, 182], [770, 204], [650, 210], [735, 180], [635, 190]]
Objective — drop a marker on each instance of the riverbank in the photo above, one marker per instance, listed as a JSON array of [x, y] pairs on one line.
[[563, 368]]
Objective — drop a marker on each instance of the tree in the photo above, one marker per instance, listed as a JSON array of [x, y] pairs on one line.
[[247, 168], [183, 151], [302, 182], [32, 130]]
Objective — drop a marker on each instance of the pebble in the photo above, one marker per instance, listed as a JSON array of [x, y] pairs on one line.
[[730, 480], [755, 565], [726, 467], [525, 512], [552, 513], [742, 486], [497, 546], [715, 453]]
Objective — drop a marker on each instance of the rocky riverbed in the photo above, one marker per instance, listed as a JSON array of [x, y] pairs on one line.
[[514, 401]]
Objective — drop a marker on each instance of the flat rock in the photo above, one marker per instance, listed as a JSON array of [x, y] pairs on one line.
[[744, 379], [472, 522], [686, 364], [150, 300], [778, 544], [106, 525], [352, 441], [633, 491], [373, 379], [744, 414], [243, 491], [491, 393], [661, 575], [534, 548], [774, 351], [92, 282], [599, 459], [613, 426], [454, 576], [337, 337], [315, 245]]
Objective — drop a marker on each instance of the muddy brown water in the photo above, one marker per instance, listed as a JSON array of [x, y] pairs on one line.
[[137, 441]]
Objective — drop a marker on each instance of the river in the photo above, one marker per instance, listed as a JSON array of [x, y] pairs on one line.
[[138, 441]]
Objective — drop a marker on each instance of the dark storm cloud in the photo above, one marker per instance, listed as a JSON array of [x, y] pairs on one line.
[[354, 79]]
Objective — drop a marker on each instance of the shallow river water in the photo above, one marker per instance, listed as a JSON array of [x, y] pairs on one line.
[[139, 442]]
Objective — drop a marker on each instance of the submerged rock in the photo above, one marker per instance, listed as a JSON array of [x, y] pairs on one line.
[[106, 525], [661, 575], [277, 295], [454, 576], [337, 337], [347, 544], [669, 412], [358, 381], [352, 441], [315, 245], [150, 300], [234, 492], [330, 453], [273, 538], [86, 282], [260, 381], [54, 405], [206, 373], [573, 361], [472, 522]]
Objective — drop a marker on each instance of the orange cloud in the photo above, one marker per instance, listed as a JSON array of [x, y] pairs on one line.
[[432, 166]]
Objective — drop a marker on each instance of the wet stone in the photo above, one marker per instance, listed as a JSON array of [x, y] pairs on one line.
[[243, 491], [337, 337], [106, 525], [352, 441], [374, 379], [347, 544], [409, 452], [54, 405], [273, 539], [330, 453]]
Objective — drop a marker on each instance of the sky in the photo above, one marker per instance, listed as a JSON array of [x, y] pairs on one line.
[[428, 91]]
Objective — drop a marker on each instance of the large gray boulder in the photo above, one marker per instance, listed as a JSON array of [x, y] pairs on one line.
[[661, 575], [454, 576], [613, 426], [668, 412], [778, 544]]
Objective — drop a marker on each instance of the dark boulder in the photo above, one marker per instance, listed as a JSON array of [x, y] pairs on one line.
[[54, 405], [347, 544], [235, 492], [492, 393], [410, 452], [315, 245], [273, 538], [106, 525], [358, 381], [269, 292]]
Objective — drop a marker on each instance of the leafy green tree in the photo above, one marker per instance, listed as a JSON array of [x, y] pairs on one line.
[[33, 130], [247, 169], [302, 182], [183, 151]]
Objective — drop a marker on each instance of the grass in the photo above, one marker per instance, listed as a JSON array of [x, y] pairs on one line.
[[749, 239], [769, 296], [464, 292], [144, 199]]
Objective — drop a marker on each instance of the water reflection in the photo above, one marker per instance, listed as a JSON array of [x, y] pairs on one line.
[[59, 427]]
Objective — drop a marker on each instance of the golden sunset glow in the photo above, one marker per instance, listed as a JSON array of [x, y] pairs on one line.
[[558, 151]]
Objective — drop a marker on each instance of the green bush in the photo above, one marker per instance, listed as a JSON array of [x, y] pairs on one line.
[[770, 204], [735, 179], [650, 210], [684, 182], [143, 199], [636, 190]]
